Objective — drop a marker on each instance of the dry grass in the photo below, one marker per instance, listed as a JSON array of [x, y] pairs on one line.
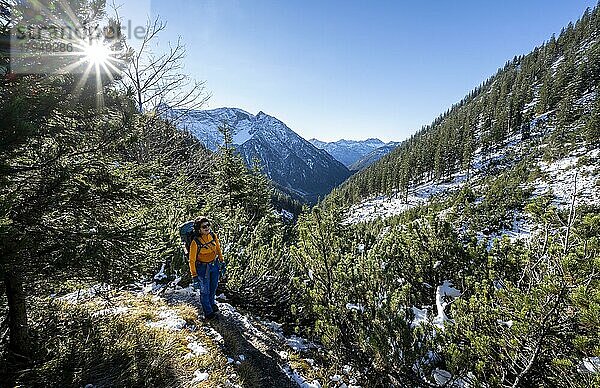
[[99, 342]]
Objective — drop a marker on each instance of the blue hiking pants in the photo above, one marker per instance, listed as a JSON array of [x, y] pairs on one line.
[[208, 274]]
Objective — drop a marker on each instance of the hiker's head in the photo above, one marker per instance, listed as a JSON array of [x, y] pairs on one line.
[[202, 225]]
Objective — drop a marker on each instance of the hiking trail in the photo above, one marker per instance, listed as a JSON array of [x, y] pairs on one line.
[[258, 349]]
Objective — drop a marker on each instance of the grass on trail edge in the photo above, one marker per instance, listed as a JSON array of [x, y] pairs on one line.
[[124, 340]]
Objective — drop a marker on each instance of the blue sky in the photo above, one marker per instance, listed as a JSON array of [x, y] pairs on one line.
[[355, 69]]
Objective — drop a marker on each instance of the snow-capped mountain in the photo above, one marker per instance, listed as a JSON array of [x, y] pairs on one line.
[[350, 152], [289, 160]]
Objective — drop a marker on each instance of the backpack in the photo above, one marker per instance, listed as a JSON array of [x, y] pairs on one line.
[[187, 234]]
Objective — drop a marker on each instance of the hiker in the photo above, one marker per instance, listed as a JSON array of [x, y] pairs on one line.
[[205, 262]]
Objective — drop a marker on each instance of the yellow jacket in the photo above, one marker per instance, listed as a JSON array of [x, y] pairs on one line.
[[209, 251]]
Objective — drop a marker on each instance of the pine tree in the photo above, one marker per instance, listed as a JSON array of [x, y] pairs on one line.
[[69, 199], [259, 200], [321, 241], [84, 194], [229, 190], [592, 123]]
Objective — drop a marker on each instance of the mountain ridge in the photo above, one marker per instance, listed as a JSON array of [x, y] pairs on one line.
[[285, 157], [353, 153]]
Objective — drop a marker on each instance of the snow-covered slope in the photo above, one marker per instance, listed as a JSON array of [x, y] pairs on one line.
[[577, 173], [292, 162], [351, 151]]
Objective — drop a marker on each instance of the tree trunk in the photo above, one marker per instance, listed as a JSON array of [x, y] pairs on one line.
[[17, 314]]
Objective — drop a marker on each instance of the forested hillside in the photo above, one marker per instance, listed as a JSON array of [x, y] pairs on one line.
[[557, 81], [481, 269]]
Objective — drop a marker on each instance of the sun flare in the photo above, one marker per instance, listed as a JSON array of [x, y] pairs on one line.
[[95, 60], [97, 54]]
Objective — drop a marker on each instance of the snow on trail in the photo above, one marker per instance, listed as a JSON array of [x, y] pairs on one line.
[[247, 339], [161, 274], [265, 346], [244, 338]]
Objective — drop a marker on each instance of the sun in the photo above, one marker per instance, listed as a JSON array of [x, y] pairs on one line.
[[95, 60], [97, 54]]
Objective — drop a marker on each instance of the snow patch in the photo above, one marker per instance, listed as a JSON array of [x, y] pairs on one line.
[[355, 307], [505, 323], [168, 320], [221, 297], [444, 295], [161, 274], [242, 136], [560, 179], [298, 379], [299, 344], [111, 311], [589, 365], [86, 294], [213, 334], [285, 214], [420, 317], [196, 349], [441, 376], [384, 206], [199, 376]]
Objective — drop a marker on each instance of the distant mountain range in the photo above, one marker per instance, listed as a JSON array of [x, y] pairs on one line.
[[373, 156], [356, 154], [294, 164]]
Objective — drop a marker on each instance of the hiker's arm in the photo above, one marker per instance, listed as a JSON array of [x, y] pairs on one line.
[[192, 257], [219, 249]]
